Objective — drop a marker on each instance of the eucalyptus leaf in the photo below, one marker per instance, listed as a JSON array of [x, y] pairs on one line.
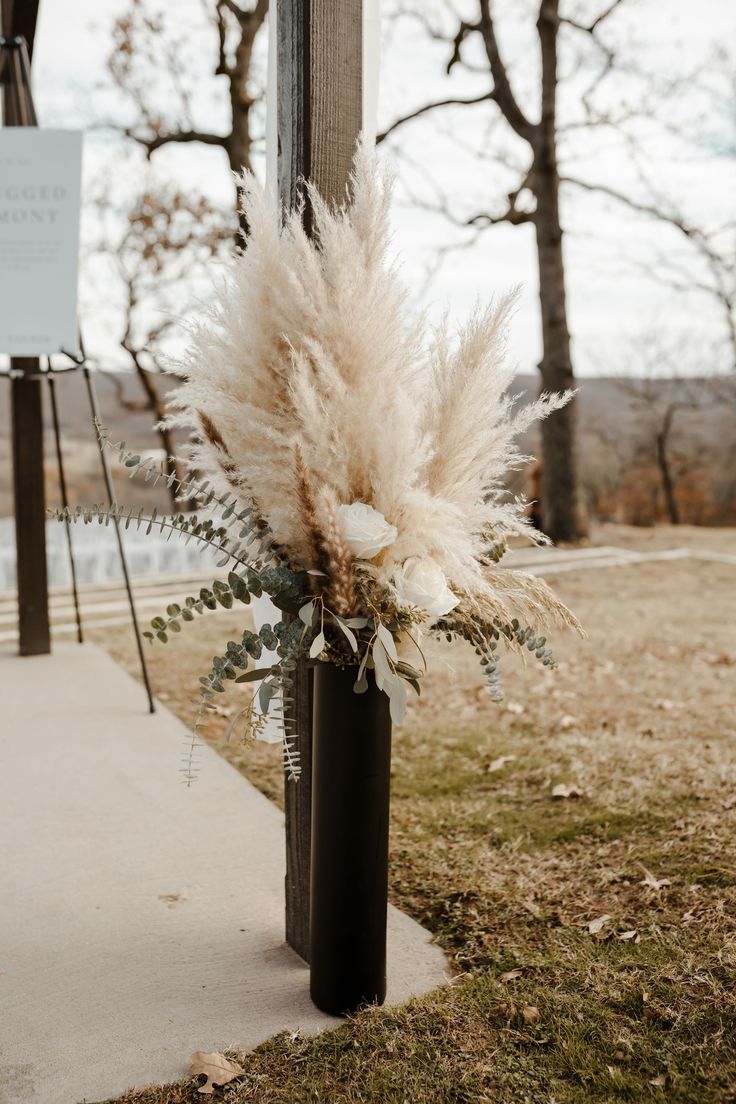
[[388, 641], [351, 637], [384, 674], [306, 613], [265, 694], [361, 684], [397, 699], [255, 675]]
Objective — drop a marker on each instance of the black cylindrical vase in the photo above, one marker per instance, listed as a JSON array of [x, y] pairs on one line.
[[351, 775]]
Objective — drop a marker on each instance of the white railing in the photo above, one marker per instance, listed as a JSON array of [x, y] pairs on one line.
[[96, 554]]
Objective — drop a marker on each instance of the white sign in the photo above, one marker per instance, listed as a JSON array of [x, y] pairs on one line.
[[40, 193]]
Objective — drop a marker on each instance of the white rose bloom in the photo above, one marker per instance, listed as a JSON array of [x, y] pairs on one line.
[[422, 582], [366, 530]]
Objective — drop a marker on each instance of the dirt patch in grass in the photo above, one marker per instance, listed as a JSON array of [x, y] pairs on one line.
[[638, 722]]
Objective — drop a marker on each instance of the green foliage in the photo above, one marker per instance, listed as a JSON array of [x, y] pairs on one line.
[[241, 527], [245, 544], [485, 636]]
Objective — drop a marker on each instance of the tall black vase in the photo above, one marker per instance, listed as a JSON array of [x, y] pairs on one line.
[[351, 769]]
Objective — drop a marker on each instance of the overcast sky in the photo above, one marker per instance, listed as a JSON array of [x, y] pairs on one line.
[[612, 300]]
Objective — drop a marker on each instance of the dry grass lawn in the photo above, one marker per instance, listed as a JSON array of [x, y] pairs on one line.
[[593, 934]]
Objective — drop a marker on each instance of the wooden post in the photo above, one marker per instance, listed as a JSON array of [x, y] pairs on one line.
[[26, 406], [319, 108]]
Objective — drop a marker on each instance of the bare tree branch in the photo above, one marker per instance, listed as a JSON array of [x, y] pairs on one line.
[[152, 144], [450, 102], [462, 33], [502, 91], [591, 28]]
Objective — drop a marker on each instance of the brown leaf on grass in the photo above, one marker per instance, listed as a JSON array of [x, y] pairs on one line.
[[563, 791], [512, 975], [597, 925], [625, 936], [526, 1040], [652, 882], [660, 1081], [218, 1070], [500, 763], [531, 906], [530, 1014]]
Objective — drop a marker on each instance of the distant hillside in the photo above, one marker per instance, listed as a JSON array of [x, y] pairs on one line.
[[612, 430]]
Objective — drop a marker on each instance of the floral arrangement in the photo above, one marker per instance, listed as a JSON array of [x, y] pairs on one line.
[[354, 463]]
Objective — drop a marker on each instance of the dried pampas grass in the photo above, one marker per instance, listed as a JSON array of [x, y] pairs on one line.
[[309, 386]]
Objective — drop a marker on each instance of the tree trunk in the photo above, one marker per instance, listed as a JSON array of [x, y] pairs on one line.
[[562, 513], [157, 405], [239, 141], [668, 483]]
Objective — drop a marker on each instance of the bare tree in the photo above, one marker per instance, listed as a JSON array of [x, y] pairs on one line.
[[167, 234], [535, 199], [671, 402], [154, 251], [148, 40], [536, 108], [705, 263]]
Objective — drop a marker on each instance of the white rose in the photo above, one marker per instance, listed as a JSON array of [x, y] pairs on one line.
[[366, 530], [422, 582]]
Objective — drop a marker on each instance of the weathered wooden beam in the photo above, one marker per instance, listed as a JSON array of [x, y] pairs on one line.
[[30, 510], [25, 396], [18, 17], [320, 78]]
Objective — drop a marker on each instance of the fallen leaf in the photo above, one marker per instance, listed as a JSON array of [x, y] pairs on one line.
[[596, 925], [500, 763], [532, 907], [563, 791], [512, 975], [633, 934], [530, 1014], [218, 1070], [659, 1081], [652, 882], [171, 899], [514, 707], [527, 1040]]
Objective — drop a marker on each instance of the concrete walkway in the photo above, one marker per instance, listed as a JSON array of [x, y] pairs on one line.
[[139, 920]]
